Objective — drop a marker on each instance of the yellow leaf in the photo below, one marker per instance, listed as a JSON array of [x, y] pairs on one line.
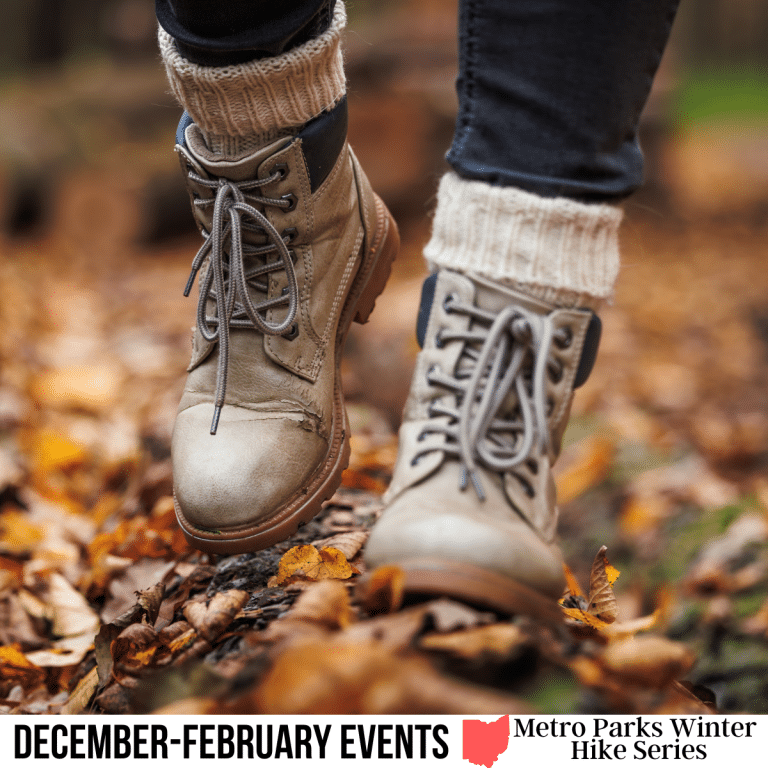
[[17, 668], [53, 451]]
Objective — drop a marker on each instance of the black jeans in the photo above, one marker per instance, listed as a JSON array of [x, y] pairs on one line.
[[550, 91]]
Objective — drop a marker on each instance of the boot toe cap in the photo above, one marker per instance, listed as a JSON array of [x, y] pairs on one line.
[[422, 528], [241, 476]]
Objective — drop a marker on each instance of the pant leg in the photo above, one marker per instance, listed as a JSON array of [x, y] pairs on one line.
[[220, 32], [551, 91]]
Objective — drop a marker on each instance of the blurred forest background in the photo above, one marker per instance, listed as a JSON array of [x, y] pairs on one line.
[[666, 458]]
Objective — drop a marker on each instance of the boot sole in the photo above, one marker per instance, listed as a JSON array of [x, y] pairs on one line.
[[428, 578], [375, 268]]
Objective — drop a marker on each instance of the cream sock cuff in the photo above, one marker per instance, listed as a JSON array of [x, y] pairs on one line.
[[262, 98], [560, 250]]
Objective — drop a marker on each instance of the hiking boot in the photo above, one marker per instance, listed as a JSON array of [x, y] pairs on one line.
[[296, 246], [471, 509]]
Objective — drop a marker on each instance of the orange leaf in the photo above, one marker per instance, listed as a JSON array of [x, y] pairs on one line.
[[586, 618], [571, 583], [590, 461], [306, 561], [384, 590]]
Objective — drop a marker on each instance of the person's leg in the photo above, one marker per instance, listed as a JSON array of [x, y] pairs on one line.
[[524, 247], [212, 32], [295, 246]]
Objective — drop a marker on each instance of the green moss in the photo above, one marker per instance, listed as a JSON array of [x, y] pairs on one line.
[[557, 692]]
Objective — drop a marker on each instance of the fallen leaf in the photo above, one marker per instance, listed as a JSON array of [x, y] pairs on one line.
[[602, 601], [15, 667], [647, 660], [383, 590], [82, 695], [310, 563], [93, 387], [571, 583], [71, 613], [326, 603], [348, 543], [333, 677], [494, 639], [582, 466], [212, 619]]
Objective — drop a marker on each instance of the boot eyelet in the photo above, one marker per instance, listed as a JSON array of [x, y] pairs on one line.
[[448, 301], [432, 369], [439, 342], [564, 343], [292, 333], [281, 169], [415, 460], [289, 234], [292, 202], [556, 373]]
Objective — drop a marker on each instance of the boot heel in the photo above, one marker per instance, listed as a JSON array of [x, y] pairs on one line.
[[383, 250]]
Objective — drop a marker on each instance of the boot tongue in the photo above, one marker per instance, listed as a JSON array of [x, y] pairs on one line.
[[494, 297], [242, 167]]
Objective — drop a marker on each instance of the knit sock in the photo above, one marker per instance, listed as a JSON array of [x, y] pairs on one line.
[[555, 249], [241, 107]]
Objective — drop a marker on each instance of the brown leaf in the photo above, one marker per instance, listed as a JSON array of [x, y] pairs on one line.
[[82, 695], [348, 543], [212, 619], [150, 601], [647, 660], [494, 639], [334, 677], [129, 646], [602, 601], [326, 603]]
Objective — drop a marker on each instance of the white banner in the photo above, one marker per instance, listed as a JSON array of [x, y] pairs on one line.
[[429, 740]]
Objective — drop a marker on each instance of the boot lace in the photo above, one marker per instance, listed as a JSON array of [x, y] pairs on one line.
[[228, 281], [500, 418]]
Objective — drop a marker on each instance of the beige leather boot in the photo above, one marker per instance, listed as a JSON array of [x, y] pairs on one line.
[[296, 247], [471, 509]]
